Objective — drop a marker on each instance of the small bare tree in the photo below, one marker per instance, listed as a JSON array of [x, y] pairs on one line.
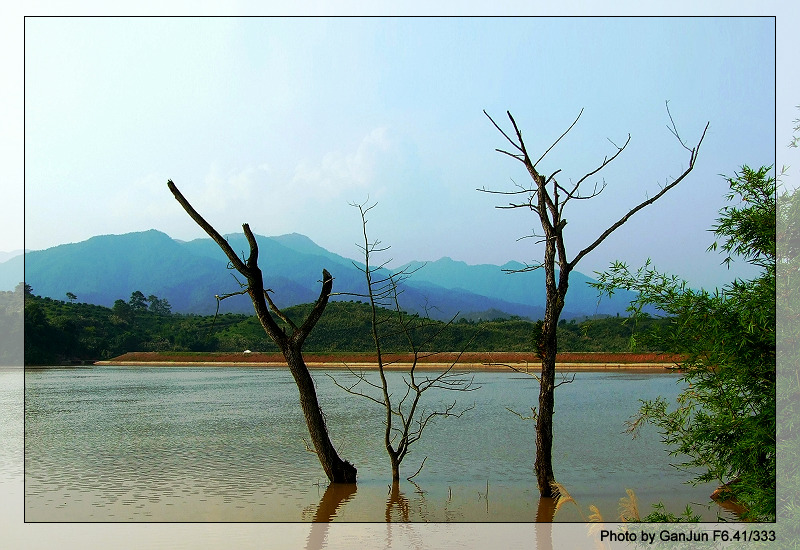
[[405, 417], [547, 199], [337, 470]]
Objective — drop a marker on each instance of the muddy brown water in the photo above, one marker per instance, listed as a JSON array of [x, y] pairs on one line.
[[142, 443]]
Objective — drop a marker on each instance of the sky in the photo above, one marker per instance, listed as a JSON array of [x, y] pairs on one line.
[[281, 126], [282, 123]]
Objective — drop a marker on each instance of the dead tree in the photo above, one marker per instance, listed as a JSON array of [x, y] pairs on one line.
[[337, 470], [405, 417], [547, 199]]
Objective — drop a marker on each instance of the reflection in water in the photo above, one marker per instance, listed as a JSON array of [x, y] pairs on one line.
[[397, 514], [397, 501], [216, 444], [335, 495], [397, 510], [14, 534], [545, 512]]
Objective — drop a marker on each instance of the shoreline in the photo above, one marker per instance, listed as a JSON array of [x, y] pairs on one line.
[[521, 362], [520, 368]]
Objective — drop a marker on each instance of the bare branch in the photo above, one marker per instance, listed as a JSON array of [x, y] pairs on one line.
[[308, 447], [559, 138], [606, 161], [533, 235], [518, 157], [511, 141], [674, 129], [318, 309], [515, 369], [278, 312], [418, 469], [252, 259], [210, 231], [533, 415], [249, 268], [528, 267], [360, 377], [219, 300], [654, 198], [565, 380], [520, 191]]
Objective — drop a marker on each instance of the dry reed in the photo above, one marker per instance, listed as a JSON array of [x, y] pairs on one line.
[[629, 507]]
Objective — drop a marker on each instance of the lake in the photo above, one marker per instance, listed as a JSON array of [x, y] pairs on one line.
[[110, 444]]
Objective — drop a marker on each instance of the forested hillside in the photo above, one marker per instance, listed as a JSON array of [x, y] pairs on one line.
[[58, 332], [189, 274], [11, 305]]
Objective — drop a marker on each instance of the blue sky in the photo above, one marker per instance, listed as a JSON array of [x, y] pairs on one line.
[[283, 122], [106, 145]]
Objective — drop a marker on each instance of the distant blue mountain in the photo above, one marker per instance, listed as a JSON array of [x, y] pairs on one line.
[[189, 274], [527, 288], [12, 272], [5, 256]]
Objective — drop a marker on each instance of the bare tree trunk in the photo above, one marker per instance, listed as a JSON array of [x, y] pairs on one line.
[[337, 470], [549, 204], [395, 466], [543, 464], [548, 348]]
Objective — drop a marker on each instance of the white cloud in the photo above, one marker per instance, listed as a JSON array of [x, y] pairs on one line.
[[144, 198], [340, 171], [222, 191]]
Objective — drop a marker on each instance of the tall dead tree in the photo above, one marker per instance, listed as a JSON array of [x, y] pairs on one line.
[[337, 470], [405, 417], [547, 199]]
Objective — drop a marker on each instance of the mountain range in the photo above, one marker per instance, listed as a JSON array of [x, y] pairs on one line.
[[189, 274]]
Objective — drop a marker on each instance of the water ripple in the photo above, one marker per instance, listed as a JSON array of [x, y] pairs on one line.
[[227, 445]]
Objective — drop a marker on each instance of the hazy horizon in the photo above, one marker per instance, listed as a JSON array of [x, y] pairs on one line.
[[354, 255], [211, 147], [282, 122]]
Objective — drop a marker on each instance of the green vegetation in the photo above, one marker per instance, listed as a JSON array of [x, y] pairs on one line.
[[725, 420], [11, 306], [788, 341], [60, 332]]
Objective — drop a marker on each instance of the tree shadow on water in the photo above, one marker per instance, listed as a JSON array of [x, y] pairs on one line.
[[334, 497], [545, 513], [398, 510], [396, 500]]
